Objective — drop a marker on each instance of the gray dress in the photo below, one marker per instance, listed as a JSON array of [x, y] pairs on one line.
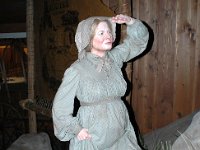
[[98, 84]]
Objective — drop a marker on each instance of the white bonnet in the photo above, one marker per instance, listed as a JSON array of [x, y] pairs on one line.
[[82, 37]]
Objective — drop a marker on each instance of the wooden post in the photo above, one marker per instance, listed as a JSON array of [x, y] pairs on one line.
[[125, 8], [31, 64]]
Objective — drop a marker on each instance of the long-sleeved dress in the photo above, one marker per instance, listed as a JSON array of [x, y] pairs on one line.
[[98, 84]]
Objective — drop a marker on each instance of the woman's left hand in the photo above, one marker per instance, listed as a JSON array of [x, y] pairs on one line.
[[120, 19], [84, 135]]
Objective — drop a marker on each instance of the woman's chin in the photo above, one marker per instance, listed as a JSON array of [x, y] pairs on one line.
[[107, 48]]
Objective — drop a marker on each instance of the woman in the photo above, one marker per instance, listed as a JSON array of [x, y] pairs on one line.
[[102, 121]]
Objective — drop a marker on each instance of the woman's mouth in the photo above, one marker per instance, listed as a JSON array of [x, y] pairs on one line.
[[109, 42]]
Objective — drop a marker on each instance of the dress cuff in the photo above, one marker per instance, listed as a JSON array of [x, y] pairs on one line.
[[132, 21], [138, 29], [77, 129]]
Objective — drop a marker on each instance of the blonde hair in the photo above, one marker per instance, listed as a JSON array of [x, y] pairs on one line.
[[92, 31]]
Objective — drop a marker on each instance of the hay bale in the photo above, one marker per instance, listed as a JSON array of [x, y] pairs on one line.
[[38, 141]]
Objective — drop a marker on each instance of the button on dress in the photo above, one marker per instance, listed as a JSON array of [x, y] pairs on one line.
[[98, 83]]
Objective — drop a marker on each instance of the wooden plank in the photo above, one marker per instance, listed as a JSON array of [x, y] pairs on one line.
[[184, 61], [148, 73], [143, 78], [196, 101], [136, 84], [153, 60], [165, 63], [192, 17], [143, 73], [134, 97], [134, 101]]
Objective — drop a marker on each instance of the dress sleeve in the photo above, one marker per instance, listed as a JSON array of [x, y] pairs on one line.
[[133, 45], [65, 125]]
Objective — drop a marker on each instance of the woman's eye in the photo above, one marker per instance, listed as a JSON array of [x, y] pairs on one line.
[[100, 33]]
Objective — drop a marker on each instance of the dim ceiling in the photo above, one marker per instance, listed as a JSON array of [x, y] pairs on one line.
[[12, 11]]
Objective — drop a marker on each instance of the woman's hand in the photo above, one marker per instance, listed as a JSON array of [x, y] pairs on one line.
[[84, 135], [120, 19]]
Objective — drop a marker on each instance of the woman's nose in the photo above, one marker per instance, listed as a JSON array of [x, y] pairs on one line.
[[108, 35]]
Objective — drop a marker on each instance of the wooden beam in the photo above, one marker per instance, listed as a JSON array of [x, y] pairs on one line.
[[31, 64]]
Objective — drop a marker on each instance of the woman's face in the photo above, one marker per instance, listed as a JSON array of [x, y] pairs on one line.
[[102, 40]]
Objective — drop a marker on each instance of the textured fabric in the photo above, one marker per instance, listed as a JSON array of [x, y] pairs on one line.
[[190, 139], [93, 79], [169, 133], [32, 141]]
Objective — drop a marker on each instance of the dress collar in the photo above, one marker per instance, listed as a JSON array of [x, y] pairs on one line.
[[99, 62]]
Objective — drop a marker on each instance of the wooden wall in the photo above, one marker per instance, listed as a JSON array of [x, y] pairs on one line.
[[166, 79]]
